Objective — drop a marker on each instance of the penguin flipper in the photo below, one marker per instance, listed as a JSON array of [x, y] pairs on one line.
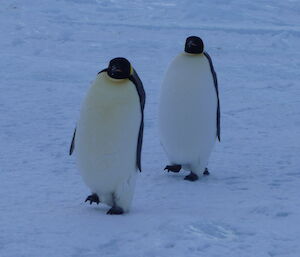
[[141, 92], [214, 74], [72, 146]]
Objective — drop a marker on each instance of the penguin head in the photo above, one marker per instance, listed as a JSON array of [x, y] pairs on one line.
[[119, 68], [194, 45]]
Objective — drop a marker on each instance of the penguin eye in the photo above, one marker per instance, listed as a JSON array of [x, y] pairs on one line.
[[191, 43], [115, 68]]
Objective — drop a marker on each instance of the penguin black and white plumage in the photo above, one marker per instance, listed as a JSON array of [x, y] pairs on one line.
[[109, 134], [189, 110]]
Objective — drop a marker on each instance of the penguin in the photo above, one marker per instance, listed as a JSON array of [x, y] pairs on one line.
[[108, 137], [189, 110]]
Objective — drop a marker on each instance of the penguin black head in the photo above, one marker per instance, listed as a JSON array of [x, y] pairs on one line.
[[194, 45], [119, 68]]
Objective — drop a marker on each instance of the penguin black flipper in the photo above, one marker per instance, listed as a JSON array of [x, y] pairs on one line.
[[141, 92], [214, 74], [72, 146]]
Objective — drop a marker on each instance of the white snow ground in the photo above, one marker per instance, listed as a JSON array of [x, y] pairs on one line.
[[50, 51]]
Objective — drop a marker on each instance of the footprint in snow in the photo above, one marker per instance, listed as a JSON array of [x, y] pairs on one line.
[[212, 231]]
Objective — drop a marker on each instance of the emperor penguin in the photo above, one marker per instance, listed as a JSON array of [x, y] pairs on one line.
[[108, 136], [189, 110]]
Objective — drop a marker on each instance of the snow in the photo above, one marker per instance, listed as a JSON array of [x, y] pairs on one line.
[[249, 205]]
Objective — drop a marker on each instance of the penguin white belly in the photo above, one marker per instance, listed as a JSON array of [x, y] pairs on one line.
[[106, 138], [187, 112]]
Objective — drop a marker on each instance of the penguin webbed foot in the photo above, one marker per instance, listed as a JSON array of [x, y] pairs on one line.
[[206, 172], [191, 177], [93, 198], [174, 168], [115, 210]]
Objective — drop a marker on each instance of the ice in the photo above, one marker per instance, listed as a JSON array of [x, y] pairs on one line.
[[249, 205]]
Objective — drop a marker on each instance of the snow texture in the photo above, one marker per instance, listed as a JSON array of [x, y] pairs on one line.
[[249, 205]]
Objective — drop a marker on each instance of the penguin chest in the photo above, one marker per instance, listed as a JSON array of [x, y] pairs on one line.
[[188, 107], [107, 133]]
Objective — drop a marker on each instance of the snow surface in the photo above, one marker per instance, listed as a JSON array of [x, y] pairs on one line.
[[50, 51]]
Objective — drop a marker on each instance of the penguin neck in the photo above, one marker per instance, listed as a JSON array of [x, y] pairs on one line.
[[190, 54], [115, 80]]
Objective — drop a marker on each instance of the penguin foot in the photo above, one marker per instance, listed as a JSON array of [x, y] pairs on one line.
[[191, 177], [173, 168], [115, 210], [93, 199], [206, 172]]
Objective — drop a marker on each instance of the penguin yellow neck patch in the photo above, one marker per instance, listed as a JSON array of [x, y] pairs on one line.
[[115, 80], [131, 69], [191, 54]]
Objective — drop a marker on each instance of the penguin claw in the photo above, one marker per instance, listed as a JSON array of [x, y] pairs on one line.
[[174, 168], [115, 210], [191, 177], [206, 172], [93, 198]]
